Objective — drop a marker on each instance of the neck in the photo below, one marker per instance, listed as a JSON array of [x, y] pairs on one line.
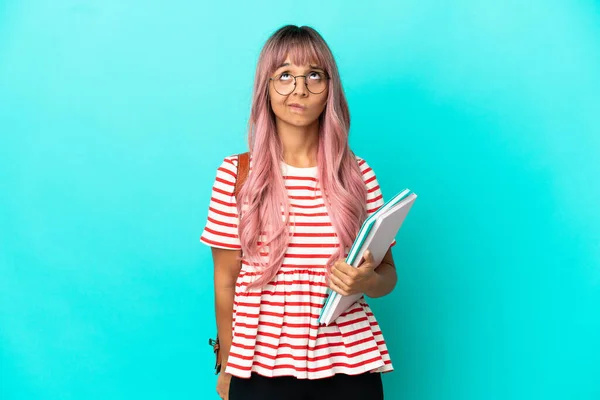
[[299, 143]]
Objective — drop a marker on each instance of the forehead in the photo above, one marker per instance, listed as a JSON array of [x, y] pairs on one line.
[[308, 64], [298, 55]]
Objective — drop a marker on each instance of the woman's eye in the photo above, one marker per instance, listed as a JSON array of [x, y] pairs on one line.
[[285, 76], [314, 75]]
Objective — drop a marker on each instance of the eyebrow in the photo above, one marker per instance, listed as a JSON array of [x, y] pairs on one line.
[[311, 66]]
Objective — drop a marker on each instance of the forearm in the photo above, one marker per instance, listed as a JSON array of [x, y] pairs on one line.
[[224, 315], [384, 280], [227, 267]]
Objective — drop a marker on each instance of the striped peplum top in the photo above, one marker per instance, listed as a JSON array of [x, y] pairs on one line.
[[275, 328]]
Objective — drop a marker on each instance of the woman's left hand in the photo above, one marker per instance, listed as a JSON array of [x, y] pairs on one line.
[[347, 280]]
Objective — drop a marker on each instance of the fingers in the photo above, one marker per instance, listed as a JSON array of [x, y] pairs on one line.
[[369, 257], [334, 283], [346, 279], [367, 265], [339, 285], [345, 272], [367, 261]]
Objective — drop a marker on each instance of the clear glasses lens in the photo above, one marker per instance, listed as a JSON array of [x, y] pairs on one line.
[[285, 83]]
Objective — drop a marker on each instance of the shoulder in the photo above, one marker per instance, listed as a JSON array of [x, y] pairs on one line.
[[229, 166], [227, 170], [234, 159], [368, 175], [364, 167], [231, 160]]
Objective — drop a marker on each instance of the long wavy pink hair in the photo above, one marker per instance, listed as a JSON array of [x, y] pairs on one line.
[[339, 175]]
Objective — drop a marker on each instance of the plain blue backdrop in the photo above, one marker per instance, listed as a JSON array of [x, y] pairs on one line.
[[114, 116]]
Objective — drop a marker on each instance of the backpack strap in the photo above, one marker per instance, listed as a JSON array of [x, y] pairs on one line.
[[243, 168]]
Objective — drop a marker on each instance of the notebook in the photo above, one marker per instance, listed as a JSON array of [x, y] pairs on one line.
[[377, 234]]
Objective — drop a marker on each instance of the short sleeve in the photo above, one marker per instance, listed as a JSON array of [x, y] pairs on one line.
[[221, 229], [374, 196]]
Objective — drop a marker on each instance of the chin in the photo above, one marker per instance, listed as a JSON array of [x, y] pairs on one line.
[[300, 122]]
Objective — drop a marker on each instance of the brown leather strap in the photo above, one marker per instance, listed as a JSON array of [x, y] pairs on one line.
[[242, 172]]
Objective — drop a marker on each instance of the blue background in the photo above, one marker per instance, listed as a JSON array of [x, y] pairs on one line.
[[114, 116]]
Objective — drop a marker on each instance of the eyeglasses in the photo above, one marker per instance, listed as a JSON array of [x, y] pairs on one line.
[[285, 83]]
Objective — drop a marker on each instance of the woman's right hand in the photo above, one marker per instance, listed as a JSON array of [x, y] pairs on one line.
[[223, 382]]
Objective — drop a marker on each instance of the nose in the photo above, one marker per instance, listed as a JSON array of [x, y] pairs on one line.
[[300, 88]]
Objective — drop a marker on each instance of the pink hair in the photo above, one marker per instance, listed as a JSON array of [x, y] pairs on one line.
[[339, 175]]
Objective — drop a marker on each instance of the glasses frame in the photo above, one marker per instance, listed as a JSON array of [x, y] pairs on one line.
[[327, 77]]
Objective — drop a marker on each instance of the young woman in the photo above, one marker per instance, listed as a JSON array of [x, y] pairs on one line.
[[281, 244]]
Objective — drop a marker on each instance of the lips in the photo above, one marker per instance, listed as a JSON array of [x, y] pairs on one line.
[[297, 106]]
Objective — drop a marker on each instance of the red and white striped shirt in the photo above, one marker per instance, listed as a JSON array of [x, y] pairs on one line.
[[275, 328]]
